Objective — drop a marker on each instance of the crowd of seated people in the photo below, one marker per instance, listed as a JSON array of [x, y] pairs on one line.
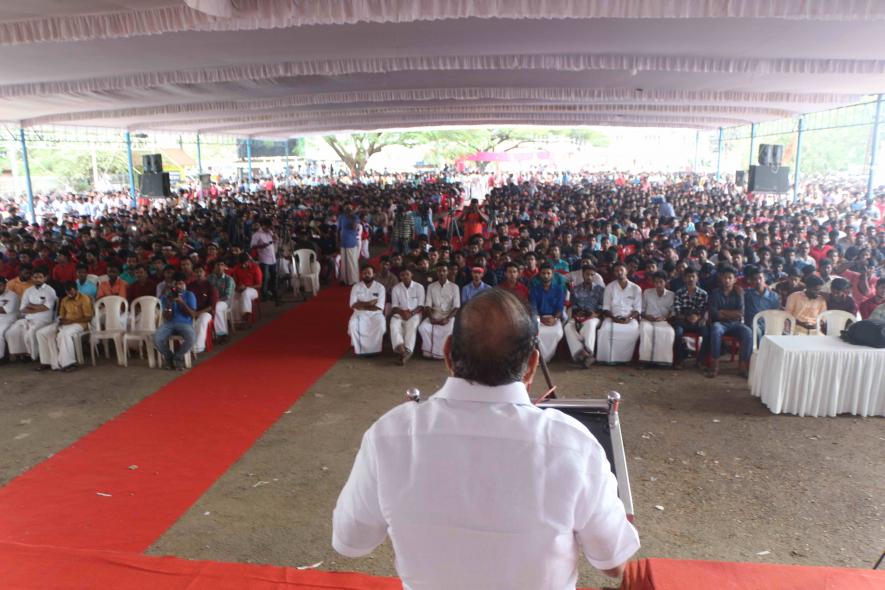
[[619, 266]]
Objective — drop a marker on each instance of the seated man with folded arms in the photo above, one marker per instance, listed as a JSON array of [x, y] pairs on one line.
[[548, 300], [656, 335], [367, 326], [806, 306], [727, 319], [622, 304], [512, 283], [586, 314], [690, 308], [57, 341], [407, 304], [36, 308], [441, 303]]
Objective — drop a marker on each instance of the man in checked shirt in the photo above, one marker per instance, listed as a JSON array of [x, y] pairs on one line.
[[691, 312]]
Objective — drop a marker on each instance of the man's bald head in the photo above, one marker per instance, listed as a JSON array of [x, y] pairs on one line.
[[493, 337]]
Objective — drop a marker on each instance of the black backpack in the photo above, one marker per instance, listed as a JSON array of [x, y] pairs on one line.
[[866, 333]]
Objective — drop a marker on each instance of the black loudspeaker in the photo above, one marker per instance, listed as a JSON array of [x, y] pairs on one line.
[[765, 155], [740, 177], [769, 179], [152, 163], [155, 185], [771, 154]]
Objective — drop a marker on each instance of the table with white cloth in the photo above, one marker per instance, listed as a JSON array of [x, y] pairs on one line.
[[819, 376]]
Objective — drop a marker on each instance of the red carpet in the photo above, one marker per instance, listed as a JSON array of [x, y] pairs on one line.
[[673, 574], [181, 439]]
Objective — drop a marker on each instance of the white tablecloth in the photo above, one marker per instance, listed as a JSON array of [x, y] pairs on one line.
[[819, 376]]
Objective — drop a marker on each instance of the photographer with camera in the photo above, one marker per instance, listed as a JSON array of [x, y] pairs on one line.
[[473, 219], [179, 310], [478, 488]]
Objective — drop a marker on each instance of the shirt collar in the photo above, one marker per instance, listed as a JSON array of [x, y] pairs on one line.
[[459, 389]]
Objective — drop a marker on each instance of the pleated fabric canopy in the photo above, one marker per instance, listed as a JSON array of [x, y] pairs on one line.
[[282, 68]]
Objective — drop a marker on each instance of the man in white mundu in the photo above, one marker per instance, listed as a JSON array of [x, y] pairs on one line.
[[37, 308], [656, 335], [8, 313], [622, 303], [441, 305], [407, 302], [367, 324], [57, 341], [586, 311]]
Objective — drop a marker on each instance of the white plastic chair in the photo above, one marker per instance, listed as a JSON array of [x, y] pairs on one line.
[[836, 320], [109, 312], [306, 270], [92, 279], [144, 318], [776, 321]]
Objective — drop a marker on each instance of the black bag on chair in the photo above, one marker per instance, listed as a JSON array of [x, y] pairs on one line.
[[866, 333]]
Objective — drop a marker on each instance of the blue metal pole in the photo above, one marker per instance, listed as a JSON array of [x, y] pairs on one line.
[[132, 196], [249, 157], [719, 155], [752, 141], [797, 173], [199, 156], [874, 148], [32, 212]]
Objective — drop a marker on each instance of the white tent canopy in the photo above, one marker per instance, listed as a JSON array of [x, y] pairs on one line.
[[278, 68]]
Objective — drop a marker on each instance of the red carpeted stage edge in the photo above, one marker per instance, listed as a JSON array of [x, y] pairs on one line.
[[182, 439]]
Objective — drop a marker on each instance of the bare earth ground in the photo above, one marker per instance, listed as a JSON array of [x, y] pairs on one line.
[[736, 482]]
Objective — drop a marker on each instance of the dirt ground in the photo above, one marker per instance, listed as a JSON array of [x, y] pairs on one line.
[[735, 482]]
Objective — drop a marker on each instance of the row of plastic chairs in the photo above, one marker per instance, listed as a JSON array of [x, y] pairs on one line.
[[778, 322]]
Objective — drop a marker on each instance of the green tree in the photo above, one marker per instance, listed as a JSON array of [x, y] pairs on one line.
[[356, 149]]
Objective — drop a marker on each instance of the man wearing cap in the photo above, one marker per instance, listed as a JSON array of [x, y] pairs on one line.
[[8, 313], [367, 326], [806, 306]]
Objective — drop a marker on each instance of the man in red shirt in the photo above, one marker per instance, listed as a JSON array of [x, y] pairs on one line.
[[867, 307], [247, 276], [64, 270], [511, 282], [143, 285]]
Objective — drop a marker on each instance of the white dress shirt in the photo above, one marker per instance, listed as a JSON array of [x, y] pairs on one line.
[[659, 306], [407, 298], [442, 299], [9, 304], [478, 488], [42, 295], [622, 302], [360, 292]]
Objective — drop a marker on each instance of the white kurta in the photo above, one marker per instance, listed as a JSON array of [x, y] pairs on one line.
[[441, 299], [616, 342], [656, 338], [366, 328], [9, 306], [403, 332]]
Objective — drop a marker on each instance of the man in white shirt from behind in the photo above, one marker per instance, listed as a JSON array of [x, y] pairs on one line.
[[477, 487], [441, 304], [407, 302], [367, 324]]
